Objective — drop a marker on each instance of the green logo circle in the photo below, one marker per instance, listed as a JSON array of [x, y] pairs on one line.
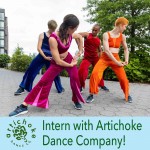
[[21, 133]]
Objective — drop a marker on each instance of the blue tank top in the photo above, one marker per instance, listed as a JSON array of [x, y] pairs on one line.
[[45, 45]]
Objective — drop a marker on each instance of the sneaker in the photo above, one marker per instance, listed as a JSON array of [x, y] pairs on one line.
[[77, 106], [104, 88], [63, 90], [90, 99], [19, 111], [19, 91], [130, 99], [81, 90]]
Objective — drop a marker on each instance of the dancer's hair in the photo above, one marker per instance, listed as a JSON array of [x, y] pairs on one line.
[[121, 20], [52, 25], [69, 21]]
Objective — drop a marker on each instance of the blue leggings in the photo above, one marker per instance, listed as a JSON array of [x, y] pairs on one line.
[[37, 63]]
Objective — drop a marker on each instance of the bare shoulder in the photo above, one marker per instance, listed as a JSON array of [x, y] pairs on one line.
[[41, 35], [105, 35], [123, 37], [52, 40], [76, 35]]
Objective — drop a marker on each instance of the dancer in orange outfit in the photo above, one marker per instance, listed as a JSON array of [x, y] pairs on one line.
[[111, 42], [92, 51]]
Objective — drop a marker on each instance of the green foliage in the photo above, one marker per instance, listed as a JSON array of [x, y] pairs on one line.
[[19, 60], [4, 59], [137, 70], [105, 12], [64, 73]]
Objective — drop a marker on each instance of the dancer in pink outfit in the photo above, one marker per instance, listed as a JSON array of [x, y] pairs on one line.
[[62, 59]]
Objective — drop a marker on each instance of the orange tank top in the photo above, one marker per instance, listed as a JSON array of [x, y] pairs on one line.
[[114, 42]]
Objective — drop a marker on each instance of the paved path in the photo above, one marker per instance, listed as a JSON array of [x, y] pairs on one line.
[[106, 103]]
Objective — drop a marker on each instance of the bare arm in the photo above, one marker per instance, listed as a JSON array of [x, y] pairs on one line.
[[99, 50], [55, 54], [126, 51], [107, 51], [79, 41], [39, 45], [84, 34]]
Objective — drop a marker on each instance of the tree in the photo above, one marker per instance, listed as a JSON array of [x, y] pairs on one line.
[[105, 13]]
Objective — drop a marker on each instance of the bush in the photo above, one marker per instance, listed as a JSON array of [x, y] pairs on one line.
[[137, 70], [4, 59], [20, 61]]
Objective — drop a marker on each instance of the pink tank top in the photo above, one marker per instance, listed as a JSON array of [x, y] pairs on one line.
[[61, 47]]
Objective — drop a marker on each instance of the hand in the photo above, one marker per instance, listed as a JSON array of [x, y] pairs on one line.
[[78, 53], [48, 58], [73, 62], [120, 63], [126, 62]]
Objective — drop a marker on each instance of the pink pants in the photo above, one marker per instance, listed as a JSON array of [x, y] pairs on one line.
[[39, 94]]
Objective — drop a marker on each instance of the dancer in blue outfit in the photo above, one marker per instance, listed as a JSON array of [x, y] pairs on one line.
[[43, 58]]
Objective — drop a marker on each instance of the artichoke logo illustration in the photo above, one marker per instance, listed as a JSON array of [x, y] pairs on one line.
[[21, 133]]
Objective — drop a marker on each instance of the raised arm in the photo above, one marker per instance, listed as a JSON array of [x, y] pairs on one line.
[[107, 51], [84, 34], [39, 45], [55, 54], [126, 51]]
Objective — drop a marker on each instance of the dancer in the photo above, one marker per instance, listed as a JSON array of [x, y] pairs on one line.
[[92, 52], [61, 59], [111, 42], [43, 58]]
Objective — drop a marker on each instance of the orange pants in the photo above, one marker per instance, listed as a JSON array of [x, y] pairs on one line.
[[98, 70]]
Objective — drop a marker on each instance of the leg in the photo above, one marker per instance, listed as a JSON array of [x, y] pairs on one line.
[[32, 72], [57, 80], [83, 71], [101, 83], [74, 81], [121, 75], [96, 76], [39, 94]]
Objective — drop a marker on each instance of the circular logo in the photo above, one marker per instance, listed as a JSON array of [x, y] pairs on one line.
[[20, 133]]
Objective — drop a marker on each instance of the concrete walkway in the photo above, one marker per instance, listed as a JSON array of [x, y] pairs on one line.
[[106, 103]]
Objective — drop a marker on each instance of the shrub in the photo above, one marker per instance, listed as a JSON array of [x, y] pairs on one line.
[[20, 61], [4, 59]]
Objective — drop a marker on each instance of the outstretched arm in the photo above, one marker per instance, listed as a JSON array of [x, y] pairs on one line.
[[55, 54]]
